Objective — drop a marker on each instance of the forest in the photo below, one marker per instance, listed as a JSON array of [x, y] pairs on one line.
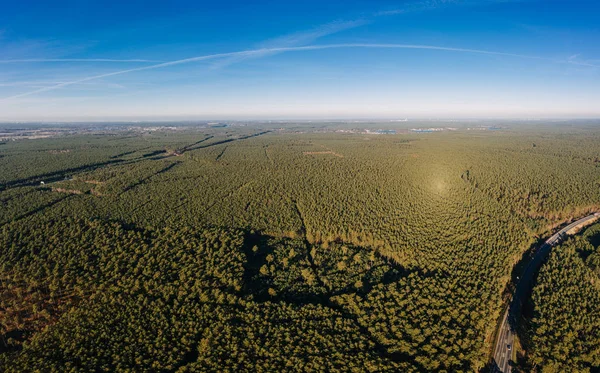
[[565, 327], [259, 249]]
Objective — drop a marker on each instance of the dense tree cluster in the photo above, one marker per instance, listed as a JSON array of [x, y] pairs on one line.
[[141, 291], [246, 249], [565, 329]]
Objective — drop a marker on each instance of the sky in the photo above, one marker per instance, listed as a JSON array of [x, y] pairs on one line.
[[327, 59]]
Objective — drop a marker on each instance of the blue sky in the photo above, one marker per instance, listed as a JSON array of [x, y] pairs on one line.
[[98, 60]]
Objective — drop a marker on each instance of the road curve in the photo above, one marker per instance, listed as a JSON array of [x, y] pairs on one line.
[[506, 332]]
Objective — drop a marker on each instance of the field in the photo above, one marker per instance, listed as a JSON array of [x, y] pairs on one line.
[[257, 249]]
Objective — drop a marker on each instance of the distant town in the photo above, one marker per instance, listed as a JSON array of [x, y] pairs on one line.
[[31, 131]]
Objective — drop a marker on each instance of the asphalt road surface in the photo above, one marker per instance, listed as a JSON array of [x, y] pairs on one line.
[[504, 350]]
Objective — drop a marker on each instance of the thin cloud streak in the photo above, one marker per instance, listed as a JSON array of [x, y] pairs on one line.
[[425, 5], [304, 38], [35, 60], [575, 60], [296, 39], [309, 36], [262, 51], [42, 84], [291, 40]]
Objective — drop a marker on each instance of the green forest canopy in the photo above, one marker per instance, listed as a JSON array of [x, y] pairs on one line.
[[565, 329], [248, 249]]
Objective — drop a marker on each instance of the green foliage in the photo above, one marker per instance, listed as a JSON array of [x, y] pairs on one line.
[[565, 330], [245, 250]]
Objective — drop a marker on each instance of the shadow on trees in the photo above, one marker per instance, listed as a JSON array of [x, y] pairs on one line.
[[258, 248], [491, 367], [521, 308], [129, 152], [57, 175], [154, 153], [142, 181], [37, 209], [7, 341], [195, 145], [595, 239]]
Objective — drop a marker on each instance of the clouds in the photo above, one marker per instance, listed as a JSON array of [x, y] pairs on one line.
[[267, 48], [294, 40], [18, 48], [311, 35], [265, 51], [285, 43], [36, 60], [48, 83], [418, 6], [424, 5], [33, 71], [576, 60], [303, 38]]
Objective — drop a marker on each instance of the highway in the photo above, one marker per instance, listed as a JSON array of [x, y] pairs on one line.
[[506, 332]]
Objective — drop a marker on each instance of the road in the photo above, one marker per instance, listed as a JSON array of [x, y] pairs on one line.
[[506, 332]]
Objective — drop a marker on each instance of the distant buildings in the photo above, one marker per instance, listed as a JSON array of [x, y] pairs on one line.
[[426, 130], [380, 132]]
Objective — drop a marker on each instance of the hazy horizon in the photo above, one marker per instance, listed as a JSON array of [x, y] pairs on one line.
[[387, 120], [394, 59]]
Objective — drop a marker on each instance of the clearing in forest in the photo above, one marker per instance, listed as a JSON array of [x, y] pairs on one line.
[[324, 152]]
